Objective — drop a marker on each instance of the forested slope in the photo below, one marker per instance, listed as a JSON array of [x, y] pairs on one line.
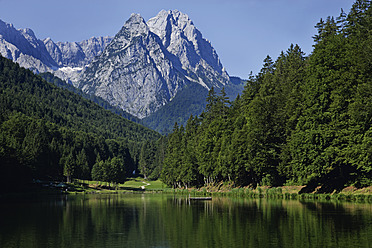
[[50, 133], [300, 121], [49, 77]]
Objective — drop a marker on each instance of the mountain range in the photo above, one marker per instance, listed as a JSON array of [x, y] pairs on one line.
[[64, 59], [141, 70]]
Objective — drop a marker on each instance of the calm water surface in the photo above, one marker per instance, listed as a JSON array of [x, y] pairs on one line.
[[160, 220]]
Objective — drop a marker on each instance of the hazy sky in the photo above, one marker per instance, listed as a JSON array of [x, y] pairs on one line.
[[243, 32]]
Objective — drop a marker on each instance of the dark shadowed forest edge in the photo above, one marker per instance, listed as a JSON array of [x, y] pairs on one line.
[[301, 128]]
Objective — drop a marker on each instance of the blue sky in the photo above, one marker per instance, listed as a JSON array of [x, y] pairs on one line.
[[243, 32]]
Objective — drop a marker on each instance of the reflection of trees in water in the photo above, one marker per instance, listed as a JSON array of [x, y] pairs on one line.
[[261, 222], [342, 217], [163, 220]]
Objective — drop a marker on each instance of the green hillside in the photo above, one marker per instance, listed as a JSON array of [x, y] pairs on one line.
[[50, 133]]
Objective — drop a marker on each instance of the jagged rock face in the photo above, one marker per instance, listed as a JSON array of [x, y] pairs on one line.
[[65, 59], [65, 53], [94, 47], [54, 51], [133, 72], [196, 54], [76, 54], [146, 64], [23, 47], [72, 57]]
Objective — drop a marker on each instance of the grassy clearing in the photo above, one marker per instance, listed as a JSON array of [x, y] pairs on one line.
[[137, 182], [132, 184], [156, 185]]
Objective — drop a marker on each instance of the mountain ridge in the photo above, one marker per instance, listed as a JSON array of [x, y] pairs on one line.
[[148, 63], [134, 71], [61, 58], [140, 70]]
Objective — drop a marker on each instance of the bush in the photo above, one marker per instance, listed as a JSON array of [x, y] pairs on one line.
[[267, 180], [360, 198], [294, 196], [259, 190], [340, 197]]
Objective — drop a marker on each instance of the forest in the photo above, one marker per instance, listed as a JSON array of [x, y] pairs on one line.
[[49, 133], [302, 120]]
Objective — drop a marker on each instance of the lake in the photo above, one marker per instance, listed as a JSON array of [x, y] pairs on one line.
[[164, 220]]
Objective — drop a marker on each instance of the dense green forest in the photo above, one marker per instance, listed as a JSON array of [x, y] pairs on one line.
[[49, 133], [302, 120]]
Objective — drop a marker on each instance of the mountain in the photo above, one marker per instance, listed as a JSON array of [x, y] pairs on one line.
[[147, 64], [184, 41], [72, 57], [65, 59], [23, 47], [76, 54], [133, 72], [142, 70]]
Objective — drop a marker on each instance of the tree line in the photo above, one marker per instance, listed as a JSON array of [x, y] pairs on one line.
[[302, 120]]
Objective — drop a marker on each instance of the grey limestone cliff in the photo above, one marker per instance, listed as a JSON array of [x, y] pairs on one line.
[[146, 64], [63, 58], [134, 71], [183, 40], [76, 54], [23, 47]]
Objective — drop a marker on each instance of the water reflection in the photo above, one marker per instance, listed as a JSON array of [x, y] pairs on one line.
[[135, 220]]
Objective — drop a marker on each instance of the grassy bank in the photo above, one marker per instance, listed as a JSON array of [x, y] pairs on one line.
[[78, 186], [141, 185], [350, 194]]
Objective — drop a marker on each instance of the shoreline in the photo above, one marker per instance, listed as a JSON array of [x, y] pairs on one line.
[[348, 194]]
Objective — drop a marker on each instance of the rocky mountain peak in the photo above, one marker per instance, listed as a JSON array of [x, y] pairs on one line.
[[171, 23], [23, 47], [135, 26], [64, 59], [28, 32], [147, 64], [5, 29], [165, 20], [182, 39]]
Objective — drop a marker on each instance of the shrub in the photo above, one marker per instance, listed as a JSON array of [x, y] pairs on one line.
[[294, 196]]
